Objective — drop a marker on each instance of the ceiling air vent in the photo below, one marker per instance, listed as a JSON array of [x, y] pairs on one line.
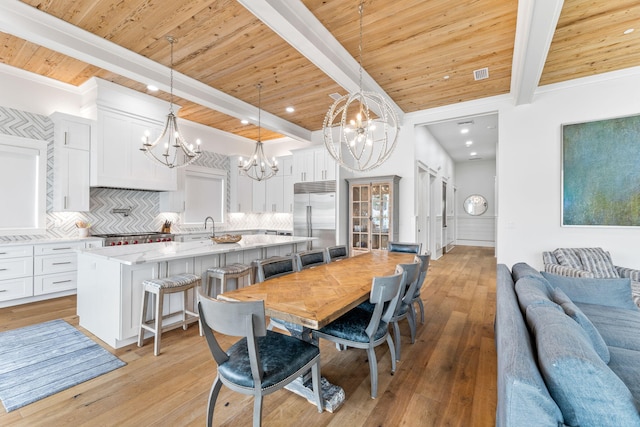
[[481, 74], [475, 158]]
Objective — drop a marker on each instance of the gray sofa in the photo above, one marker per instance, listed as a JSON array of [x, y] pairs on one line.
[[568, 350]]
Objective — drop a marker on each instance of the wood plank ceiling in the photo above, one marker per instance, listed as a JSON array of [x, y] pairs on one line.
[[409, 46]]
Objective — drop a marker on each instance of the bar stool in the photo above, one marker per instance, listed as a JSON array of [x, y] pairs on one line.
[[160, 288], [231, 271]]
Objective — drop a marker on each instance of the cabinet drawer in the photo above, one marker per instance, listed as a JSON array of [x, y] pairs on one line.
[[16, 251], [16, 288], [57, 248], [55, 263], [16, 267], [54, 283]]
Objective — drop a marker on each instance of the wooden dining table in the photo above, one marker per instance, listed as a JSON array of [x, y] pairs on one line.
[[312, 298], [315, 297]]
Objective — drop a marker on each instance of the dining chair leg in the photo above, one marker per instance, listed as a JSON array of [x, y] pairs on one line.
[[213, 396], [257, 411], [421, 311], [412, 324], [393, 354], [373, 371], [396, 336], [317, 391]]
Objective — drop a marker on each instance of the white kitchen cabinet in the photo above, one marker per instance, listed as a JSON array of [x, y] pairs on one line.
[[313, 164], [174, 201], [116, 159], [324, 165], [71, 167], [259, 195], [287, 194], [303, 166], [285, 164], [16, 272], [35, 272], [241, 197], [275, 194]]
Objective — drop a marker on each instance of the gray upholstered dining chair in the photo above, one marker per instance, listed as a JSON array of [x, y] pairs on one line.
[[310, 258], [417, 299], [270, 268], [273, 267], [362, 329], [336, 253], [404, 307], [411, 248], [262, 361]]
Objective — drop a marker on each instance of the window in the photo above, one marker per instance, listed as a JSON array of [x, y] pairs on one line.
[[204, 194], [23, 170]]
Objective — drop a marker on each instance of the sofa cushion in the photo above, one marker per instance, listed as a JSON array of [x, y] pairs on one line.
[[609, 292], [597, 261], [522, 269], [624, 363], [617, 326], [586, 390], [533, 291], [576, 314], [523, 395], [568, 257]]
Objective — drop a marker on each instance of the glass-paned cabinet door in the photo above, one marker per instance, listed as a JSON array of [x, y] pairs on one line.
[[360, 217], [380, 198]]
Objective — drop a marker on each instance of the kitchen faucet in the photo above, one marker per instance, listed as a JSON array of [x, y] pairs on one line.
[[213, 225]]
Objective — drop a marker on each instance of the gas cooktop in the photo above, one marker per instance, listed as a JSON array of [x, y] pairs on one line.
[[116, 239]]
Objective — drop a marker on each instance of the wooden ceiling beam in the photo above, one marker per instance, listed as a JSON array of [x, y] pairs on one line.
[[295, 24], [45, 30]]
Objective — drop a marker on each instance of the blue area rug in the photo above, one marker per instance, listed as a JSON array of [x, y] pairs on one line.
[[40, 360]]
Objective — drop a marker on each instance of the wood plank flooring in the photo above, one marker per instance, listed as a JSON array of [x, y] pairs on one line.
[[447, 378]]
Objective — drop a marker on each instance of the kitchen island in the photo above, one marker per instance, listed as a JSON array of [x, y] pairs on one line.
[[110, 279]]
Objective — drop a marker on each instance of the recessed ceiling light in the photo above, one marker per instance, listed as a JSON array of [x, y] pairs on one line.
[[473, 153], [628, 31], [468, 143], [290, 109], [244, 121], [464, 130], [152, 88], [446, 77]]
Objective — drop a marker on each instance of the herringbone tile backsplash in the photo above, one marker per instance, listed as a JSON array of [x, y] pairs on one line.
[[145, 214]]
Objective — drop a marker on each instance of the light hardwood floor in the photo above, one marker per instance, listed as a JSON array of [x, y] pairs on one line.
[[447, 378]]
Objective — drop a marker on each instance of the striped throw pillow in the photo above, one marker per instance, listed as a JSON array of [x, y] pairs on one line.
[[568, 257], [597, 261]]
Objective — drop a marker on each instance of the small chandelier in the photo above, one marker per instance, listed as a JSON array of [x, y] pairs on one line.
[[174, 143], [258, 166], [360, 129]]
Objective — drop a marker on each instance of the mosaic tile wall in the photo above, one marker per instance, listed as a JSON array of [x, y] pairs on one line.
[[145, 214]]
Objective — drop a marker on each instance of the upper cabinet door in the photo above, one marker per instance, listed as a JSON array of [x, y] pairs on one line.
[[303, 166], [72, 140]]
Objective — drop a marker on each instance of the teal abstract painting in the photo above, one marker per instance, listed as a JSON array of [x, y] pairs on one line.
[[601, 173]]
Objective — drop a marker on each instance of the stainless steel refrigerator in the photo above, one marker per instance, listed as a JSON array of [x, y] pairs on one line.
[[314, 212]]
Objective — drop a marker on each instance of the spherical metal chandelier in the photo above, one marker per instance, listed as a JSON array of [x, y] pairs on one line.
[[360, 129]]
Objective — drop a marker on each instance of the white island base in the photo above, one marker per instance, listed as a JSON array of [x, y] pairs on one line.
[[110, 279]]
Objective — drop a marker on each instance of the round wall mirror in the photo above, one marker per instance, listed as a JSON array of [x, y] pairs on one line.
[[475, 204]]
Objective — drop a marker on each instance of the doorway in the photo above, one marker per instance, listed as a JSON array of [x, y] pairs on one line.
[[426, 226]]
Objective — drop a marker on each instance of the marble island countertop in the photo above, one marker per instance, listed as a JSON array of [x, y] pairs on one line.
[[165, 251]]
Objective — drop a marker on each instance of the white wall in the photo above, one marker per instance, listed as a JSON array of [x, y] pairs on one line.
[[476, 177], [529, 170]]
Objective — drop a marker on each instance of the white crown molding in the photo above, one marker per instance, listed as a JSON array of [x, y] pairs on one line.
[[38, 27], [590, 80], [38, 79]]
